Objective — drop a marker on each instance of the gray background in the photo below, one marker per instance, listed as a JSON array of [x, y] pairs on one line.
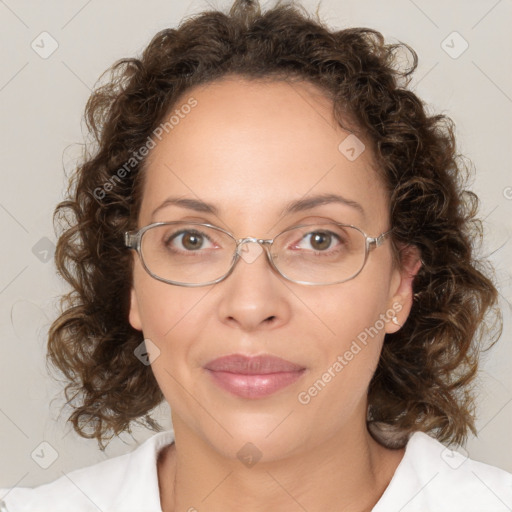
[[42, 101]]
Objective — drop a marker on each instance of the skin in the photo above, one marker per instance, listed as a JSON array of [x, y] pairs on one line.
[[249, 148]]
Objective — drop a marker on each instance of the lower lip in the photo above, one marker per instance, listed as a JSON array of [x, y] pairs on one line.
[[254, 386]]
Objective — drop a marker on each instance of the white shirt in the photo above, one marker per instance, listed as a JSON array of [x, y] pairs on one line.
[[429, 478]]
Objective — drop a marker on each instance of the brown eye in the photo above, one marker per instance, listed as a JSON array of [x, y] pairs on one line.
[[190, 240], [320, 241]]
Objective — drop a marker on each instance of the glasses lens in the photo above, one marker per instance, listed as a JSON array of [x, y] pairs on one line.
[[191, 253], [187, 253], [320, 253]]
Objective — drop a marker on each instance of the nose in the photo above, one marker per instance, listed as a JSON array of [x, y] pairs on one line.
[[254, 294]]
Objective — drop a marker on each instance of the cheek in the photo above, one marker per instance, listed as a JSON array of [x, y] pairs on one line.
[[171, 316], [349, 352], [168, 321], [349, 310], [160, 305]]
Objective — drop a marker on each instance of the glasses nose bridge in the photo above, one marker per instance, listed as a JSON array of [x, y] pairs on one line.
[[263, 242]]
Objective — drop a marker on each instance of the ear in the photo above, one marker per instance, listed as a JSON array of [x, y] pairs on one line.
[[402, 293], [134, 314]]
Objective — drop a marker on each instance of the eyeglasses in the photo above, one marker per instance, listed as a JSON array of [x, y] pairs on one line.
[[198, 254]]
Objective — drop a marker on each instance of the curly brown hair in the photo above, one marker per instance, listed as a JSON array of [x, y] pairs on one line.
[[426, 374]]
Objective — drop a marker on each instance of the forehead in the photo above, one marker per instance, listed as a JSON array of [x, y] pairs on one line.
[[251, 147]]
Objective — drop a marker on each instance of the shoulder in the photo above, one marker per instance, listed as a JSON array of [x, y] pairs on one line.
[[433, 477], [125, 483]]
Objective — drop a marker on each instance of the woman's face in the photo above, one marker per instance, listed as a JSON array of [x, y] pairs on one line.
[[249, 149]]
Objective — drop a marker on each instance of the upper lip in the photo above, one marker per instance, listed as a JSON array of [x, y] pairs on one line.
[[252, 365]]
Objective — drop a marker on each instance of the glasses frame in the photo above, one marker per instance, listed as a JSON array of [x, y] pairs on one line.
[[133, 240]]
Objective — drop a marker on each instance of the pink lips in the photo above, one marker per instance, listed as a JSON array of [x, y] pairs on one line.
[[253, 377]]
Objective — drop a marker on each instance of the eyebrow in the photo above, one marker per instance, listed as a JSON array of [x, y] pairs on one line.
[[296, 206], [311, 202]]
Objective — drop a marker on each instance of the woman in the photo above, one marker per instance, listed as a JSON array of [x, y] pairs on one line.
[[273, 236]]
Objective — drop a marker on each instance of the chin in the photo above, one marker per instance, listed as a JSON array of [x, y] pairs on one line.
[[256, 436]]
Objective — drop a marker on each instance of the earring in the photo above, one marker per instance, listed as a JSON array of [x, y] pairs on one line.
[[395, 321]]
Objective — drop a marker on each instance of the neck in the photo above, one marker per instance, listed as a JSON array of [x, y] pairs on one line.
[[349, 471]]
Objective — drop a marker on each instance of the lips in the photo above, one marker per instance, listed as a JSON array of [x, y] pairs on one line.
[[253, 377], [255, 365]]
